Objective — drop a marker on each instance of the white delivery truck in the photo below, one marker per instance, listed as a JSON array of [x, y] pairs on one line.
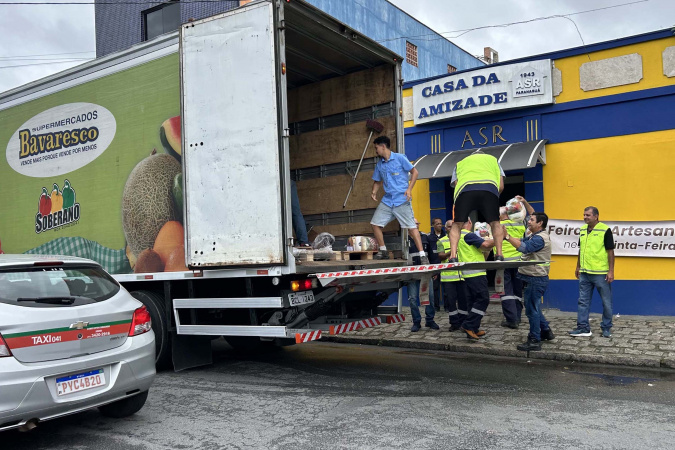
[[171, 163]]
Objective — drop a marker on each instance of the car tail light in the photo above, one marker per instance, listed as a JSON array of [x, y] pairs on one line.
[[141, 322], [4, 350]]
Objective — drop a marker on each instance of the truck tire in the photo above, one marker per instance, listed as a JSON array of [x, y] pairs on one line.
[[154, 302], [125, 407]]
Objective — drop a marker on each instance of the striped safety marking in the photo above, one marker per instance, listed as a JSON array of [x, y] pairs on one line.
[[57, 335], [385, 271], [344, 327], [306, 337], [368, 323], [396, 318]]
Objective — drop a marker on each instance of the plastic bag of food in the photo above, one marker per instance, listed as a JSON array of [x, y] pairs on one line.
[[362, 243], [483, 230], [516, 210], [323, 241]]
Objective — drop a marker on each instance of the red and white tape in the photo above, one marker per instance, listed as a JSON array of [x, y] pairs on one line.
[[396, 318], [368, 323], [344, 327], [307, 337], [385, 271]]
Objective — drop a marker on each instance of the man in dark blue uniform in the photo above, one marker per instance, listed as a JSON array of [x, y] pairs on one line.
[[437, 232], [414, 288]]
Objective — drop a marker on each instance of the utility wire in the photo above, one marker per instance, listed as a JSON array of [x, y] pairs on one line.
[[42, 64], [503, 25], [45, 54], [107, 2]]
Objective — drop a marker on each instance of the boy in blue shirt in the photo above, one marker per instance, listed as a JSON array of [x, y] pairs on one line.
[[392, 171]]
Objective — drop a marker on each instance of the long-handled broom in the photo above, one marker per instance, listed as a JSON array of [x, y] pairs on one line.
[[375, 127]]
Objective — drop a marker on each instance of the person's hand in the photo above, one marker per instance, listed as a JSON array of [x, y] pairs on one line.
[[373, 195], [610, 276], [408, 195], [520, 198], [576, 273]]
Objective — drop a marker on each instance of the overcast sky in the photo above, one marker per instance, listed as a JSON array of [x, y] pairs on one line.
[[40, 38]]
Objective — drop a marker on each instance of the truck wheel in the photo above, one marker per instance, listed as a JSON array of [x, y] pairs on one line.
[[154, 302], [125, 407]]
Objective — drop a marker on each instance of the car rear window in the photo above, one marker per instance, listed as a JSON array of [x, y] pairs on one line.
[[80, 284]]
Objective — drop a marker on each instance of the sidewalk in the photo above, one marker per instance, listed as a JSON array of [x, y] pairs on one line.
[[645, 341]]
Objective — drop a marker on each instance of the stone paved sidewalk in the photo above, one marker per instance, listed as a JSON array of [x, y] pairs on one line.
[[646, 341]]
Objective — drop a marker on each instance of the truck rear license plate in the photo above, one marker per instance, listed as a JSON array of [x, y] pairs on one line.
[[80, 382], [301, 298]]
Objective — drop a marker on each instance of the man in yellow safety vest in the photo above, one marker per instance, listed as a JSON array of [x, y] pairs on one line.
[[478, 180], [512, 297], [454, 296], [595, 269], [477, 291]]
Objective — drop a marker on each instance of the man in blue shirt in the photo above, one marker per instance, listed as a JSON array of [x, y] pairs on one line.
[[392, 172]]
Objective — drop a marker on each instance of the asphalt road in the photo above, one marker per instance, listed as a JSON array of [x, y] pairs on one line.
[[324, 395]]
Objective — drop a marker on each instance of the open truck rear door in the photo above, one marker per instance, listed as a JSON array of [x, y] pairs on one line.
[[231, 139]]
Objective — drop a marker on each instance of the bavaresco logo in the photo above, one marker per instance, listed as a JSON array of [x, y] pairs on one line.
[[56, 209], [61, 139]]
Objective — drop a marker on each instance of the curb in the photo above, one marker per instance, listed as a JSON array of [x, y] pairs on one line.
[[476, 348]]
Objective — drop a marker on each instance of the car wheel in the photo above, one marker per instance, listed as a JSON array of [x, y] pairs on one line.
[[125, 407], [154, 302]]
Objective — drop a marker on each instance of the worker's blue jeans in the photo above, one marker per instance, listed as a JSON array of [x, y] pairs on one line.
[[534, 290], [586, 284], [414, 300], [513, 292], [299, 225]]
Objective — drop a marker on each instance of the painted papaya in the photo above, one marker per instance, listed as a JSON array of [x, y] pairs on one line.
[[169, 134]]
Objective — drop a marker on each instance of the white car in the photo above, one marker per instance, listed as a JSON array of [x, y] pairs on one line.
[[71, 338]]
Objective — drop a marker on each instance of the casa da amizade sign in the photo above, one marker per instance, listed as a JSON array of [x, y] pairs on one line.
[[483, 91]]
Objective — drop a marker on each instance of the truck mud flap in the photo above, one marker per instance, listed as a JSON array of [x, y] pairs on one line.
[[190, 351]]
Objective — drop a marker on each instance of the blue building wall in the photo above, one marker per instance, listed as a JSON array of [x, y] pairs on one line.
[[392, 27], [119, 25]]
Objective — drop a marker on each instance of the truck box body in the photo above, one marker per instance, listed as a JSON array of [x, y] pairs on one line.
[[102, 134]]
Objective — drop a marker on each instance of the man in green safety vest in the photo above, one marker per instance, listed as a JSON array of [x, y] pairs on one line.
[[454, 297], [512, 297], [595, 269], [477, 292], [478, 180]]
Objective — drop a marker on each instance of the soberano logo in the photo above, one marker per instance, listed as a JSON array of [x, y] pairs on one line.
[[57, 209]]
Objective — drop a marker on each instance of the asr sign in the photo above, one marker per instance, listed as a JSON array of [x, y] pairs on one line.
[[483, 91]]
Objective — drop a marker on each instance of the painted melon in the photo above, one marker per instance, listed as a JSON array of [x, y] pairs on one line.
[[169, 134], [147, 201]]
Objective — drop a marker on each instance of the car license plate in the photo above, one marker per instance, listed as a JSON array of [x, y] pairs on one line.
[[80, 382], [301, 298]]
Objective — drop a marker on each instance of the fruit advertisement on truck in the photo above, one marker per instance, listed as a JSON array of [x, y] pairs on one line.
[[94, 171]]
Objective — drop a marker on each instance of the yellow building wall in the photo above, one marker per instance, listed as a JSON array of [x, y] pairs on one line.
[[421, 204], [652, 70], [628, 178]]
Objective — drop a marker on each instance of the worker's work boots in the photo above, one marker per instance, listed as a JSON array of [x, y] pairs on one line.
[[382, 255]]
